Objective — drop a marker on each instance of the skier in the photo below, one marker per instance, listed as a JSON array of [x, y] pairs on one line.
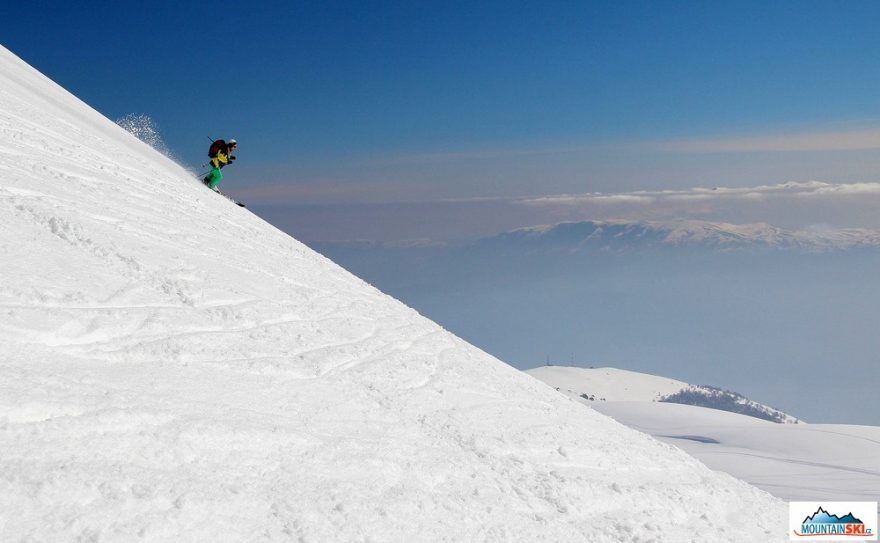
[[220, 154]]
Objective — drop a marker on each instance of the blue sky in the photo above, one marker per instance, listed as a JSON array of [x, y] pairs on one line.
[[454, 120], [377, 102]]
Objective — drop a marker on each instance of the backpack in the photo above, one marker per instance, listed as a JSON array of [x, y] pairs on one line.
[[217, 147]]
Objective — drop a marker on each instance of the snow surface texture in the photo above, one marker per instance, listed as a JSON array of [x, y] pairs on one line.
[[797, 462], [175, 369]]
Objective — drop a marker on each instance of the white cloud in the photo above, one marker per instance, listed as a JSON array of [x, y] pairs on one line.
[[784, 190]]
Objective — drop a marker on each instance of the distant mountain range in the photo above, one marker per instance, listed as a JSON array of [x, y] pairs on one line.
[[623, 235]]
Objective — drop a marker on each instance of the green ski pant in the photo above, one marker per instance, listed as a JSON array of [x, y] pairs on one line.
[[214, 177]]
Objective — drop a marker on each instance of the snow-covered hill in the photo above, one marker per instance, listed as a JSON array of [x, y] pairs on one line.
[[612, 384], [798, 462], [629, 235], [607, 384], [173, 368]]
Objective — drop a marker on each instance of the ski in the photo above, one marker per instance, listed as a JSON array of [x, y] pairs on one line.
[[230, 198]]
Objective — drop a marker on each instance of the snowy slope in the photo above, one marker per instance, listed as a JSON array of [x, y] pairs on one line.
[[798, 462], [175, 369]]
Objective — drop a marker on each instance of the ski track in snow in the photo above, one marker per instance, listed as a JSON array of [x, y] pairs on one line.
[[175, 369]]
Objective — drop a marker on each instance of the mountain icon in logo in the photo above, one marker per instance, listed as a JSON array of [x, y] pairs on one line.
[[824, 526], [822, 516]]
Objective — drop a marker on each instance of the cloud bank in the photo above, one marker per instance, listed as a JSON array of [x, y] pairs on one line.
[[830, 140], [810, 189]]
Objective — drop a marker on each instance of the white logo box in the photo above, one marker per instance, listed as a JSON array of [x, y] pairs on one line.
[[798, 512]]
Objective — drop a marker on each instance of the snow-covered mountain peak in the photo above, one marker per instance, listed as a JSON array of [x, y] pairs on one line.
[[176, 369], [623, 235]]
